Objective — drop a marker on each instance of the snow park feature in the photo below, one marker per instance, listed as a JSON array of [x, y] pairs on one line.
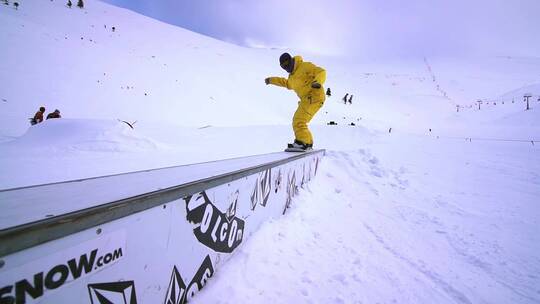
[[427, 192], [95, 241]]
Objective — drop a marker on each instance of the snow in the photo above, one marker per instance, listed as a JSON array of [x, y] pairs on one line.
[[67, 149], [441, 221], [407, 216]]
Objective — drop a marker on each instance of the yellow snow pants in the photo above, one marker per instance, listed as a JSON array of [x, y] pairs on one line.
[[307, 108]]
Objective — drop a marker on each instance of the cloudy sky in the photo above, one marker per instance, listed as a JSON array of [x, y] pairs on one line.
[[360, 27]]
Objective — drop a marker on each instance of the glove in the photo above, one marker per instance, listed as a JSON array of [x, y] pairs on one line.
[[315, 85], [267, 80]]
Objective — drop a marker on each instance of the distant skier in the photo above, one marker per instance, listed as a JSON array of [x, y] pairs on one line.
[[38, 117], [55, 114], [350, 99], [306, 79], [328, 92], [345, 98]]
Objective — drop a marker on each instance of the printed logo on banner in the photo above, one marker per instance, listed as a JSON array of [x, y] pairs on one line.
[[313, 171], [307, 171], [231, 211], [29, 282], [113, 293], [303, 181], [292, 189], [262, 189], [222, 232], [177, 288], [277, 182], [177, 292]]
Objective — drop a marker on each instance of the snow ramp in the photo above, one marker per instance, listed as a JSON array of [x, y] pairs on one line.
[[153, 236]]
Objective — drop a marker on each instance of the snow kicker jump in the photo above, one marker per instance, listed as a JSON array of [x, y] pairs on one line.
[[152, 236]]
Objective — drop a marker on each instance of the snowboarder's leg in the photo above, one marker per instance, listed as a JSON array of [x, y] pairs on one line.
[[303, 115], [301, 131]]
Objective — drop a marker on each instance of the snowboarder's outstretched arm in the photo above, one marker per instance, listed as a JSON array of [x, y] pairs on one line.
[[278, 81]]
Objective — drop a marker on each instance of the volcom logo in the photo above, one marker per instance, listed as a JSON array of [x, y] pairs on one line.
[[113, 293], [231, 211], [219, 231], [303, 181], [292, 189], [261, 191], [309, 173], [313, 166], [277, 182], [177, 293]]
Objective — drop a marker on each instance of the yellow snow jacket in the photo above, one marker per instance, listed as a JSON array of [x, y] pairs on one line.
[[300, 80]]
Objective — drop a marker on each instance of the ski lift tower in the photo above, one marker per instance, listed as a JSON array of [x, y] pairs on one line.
[[479, 101], [526, 99]]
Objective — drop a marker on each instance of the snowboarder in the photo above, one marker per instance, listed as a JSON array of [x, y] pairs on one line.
[[55, 114], [350, 99], [306, 79], [38, 117], [345, 98]]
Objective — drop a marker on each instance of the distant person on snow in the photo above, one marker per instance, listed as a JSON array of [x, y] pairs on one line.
[[350, 99], [306, 79], [55, 114], [38, 117], [328, 92], [345, 98]]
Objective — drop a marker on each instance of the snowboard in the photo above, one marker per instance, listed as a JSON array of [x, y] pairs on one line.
[[297, 150]]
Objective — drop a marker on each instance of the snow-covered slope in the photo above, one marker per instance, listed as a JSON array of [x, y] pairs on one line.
[[415, 215], [71, 59], [147, 70], [443, 221]]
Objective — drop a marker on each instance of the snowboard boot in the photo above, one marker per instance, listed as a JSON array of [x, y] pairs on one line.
[[300, 145]]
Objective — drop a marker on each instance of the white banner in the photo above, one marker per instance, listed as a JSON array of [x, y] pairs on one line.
[[29, 282]]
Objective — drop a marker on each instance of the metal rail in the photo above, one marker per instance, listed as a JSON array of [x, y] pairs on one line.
[[21, 237]]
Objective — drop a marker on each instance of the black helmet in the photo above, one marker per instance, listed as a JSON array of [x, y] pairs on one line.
[[286, 62], [42, 109]]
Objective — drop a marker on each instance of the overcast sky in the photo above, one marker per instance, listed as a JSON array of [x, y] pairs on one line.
[[360, 27]]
